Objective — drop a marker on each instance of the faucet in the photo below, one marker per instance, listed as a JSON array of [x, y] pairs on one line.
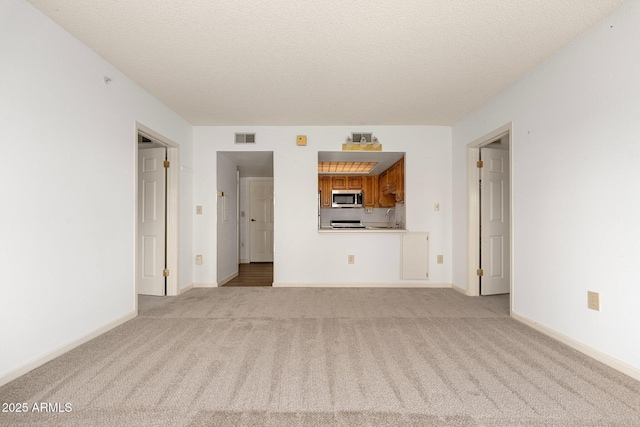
[[386, 215]]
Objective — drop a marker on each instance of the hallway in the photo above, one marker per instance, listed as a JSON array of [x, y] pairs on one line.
[[253, 274]]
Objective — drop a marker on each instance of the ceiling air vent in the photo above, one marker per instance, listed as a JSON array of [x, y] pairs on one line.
[[357, 137], [245, 138]]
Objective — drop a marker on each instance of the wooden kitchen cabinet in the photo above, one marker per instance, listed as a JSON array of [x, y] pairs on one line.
[[324, 182], [390, 178], [400, 181], [383, 181], [339, 182], [369, 191], [354, 183]]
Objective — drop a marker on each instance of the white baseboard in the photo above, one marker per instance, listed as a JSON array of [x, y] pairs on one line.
[[186, 288], [47, 357], [228, 278], [205, 285], [244, 261], [459, 289], [402, 284], [608, 360]]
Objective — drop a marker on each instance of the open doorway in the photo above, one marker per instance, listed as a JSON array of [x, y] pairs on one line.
[[489, 218], [156, 231], [245, 218]]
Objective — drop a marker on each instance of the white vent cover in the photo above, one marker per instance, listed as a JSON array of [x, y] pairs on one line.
[[245, 138], [357, 137]]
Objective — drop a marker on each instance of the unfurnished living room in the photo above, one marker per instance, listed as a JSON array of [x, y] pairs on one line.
[[364, 213]]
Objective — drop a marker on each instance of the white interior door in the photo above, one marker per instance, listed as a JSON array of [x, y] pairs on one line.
[[261, 221], [151, 221], [494, 222]]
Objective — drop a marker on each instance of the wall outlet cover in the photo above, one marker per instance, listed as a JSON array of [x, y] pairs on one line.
[[593, 300]]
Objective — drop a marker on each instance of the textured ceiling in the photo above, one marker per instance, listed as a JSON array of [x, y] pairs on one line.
[[332, 62]]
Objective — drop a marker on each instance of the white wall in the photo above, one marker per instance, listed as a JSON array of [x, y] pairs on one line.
[[302, 255], [67, 198], [576, 204]]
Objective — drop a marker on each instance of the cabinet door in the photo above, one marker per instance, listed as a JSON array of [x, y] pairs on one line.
[[325, 191], [369, 191], [354, 182], [339, 183], [383, 181], [415, 256], [390, 177], [400, 181]]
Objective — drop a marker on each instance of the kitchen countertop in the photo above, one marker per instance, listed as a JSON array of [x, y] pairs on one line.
[[369, 229]]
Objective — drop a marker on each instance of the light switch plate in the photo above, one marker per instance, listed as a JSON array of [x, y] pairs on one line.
[[302, 140], [198, 210]]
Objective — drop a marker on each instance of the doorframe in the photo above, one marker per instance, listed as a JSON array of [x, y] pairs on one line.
[[172, 213], [473, 208]]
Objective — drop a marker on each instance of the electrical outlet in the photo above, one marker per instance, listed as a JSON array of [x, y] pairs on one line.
[[594, 300], [198, 210], [198, 259], [440, 259], [351, 259]]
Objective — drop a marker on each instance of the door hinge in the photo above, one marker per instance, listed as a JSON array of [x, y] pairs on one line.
[[480, 272], [480, 164], [166, 163], [165, 272]]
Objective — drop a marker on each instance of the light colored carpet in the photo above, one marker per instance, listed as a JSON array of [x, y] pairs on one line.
[[322, 357]]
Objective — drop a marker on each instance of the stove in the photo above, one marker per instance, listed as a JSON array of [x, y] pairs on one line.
[[340, 224]]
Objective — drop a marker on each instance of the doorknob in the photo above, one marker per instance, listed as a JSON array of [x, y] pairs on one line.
[[253, 220]]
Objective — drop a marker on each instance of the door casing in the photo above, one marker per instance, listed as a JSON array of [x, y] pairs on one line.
[[172, 218], [473, 208]]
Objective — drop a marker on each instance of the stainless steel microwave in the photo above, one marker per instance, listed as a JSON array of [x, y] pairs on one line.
[[346, 198]]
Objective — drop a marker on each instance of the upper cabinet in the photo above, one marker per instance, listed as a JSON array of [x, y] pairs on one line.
[[324, 183], [369, 191], [391, 184], [346, 183], [354, 183], [400, 181], [339, 183]]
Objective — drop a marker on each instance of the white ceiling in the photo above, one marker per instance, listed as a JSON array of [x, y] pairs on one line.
[[332, 62]]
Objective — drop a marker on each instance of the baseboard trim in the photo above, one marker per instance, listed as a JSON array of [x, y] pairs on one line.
[[459, 289], [186, 288], [47, 357], [228, 278], [205, 285], [360, 285], [608, 360], [245, 261]]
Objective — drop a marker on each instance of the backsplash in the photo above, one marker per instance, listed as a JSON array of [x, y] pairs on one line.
[[376, 217]]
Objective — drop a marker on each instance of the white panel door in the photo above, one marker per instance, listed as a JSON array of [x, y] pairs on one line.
[[151, 221], [494, 222], [261, 221]]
